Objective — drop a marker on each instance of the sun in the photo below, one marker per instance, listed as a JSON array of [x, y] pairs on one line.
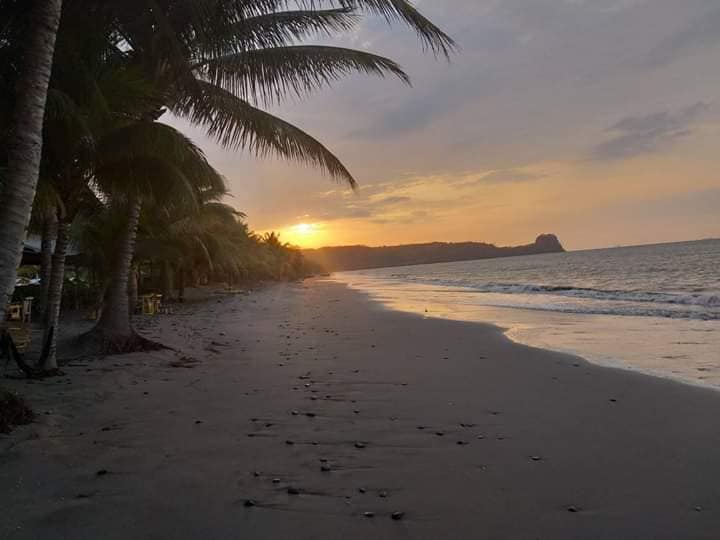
[[304, 228], [305, 235]]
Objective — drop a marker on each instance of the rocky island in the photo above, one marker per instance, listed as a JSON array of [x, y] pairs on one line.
[[363, 257]]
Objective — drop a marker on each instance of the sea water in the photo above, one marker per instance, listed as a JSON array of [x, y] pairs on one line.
[[654, 309]]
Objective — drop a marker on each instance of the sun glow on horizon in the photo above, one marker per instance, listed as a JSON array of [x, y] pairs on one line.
[[304, 228], [304, 235]]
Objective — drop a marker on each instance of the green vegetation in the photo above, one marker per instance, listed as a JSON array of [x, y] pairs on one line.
[[131, 191]]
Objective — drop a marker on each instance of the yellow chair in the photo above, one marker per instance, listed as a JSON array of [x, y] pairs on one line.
[[21, 336], [148, 304], [27, 309], [14, 312]]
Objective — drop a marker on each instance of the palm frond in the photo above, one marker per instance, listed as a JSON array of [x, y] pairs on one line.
[[235, 123], [147, 177], [157, 159], [271, 73], [432, 37], [277, 29], [143, 139]]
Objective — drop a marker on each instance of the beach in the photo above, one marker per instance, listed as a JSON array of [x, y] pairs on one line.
[[307, 410]]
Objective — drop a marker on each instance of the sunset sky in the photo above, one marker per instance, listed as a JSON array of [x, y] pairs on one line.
[[597, 120]]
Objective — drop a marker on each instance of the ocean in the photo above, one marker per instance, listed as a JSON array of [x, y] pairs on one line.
[[654, 309]]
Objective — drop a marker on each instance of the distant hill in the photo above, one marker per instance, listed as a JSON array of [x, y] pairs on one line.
[[363, 257]]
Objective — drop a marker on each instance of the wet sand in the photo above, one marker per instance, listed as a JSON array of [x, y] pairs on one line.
[[307, 411]]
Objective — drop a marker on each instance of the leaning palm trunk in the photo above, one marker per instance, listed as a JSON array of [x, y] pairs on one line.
[[133, 289], [114, 332], [54, 299], [25, 142], [181, 284], [167, 281], [49, 232], [114, 322]]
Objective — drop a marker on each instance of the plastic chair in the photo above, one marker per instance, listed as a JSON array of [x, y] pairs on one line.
[[14, 312], [27, 309], [148, 304]]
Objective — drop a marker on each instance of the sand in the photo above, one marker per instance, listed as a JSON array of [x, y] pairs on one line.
[[294, 411]]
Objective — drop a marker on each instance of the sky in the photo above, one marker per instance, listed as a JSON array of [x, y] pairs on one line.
[[595, 120]]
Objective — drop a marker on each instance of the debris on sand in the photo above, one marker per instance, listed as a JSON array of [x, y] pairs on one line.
[[185, 362], [13, 412]]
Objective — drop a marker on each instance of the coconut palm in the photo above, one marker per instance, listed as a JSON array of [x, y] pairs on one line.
[[212, 62], [30, 71], [206, 238], [144, 161], [215, 69], [43, 221], [93, 93], [212, 66]]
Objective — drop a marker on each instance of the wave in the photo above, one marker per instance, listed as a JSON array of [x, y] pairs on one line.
[[633, 310], [693, 299], [697, 304]]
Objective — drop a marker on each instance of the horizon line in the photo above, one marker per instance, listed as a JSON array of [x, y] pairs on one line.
[[618, 246]]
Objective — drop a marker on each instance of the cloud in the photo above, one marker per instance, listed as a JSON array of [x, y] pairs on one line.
[[514, 116], [415, 198], [510, 176], [407, 218], [637, 135], [356, 206], [390, 201], [700, 33], [408, 117]]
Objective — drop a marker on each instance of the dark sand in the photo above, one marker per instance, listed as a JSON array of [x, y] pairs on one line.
[[154, 446]]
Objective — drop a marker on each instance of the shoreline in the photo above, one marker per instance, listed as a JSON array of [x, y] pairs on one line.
[[516, 442], [606, 363], [507, 331], [556, 330], [621, 366]]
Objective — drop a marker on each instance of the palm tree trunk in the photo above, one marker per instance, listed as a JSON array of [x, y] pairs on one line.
[[181, 284], [76, 288], [25, 142], [54, 300], [114, 324], [49, 233], [133, 289], [167, 281]]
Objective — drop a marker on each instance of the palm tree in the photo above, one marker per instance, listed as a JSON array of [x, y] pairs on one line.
[[205, 238], [211, 61], [92, 94], [145, 161], [43, 221], [217, 60], [211, 65], [31, 77]]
